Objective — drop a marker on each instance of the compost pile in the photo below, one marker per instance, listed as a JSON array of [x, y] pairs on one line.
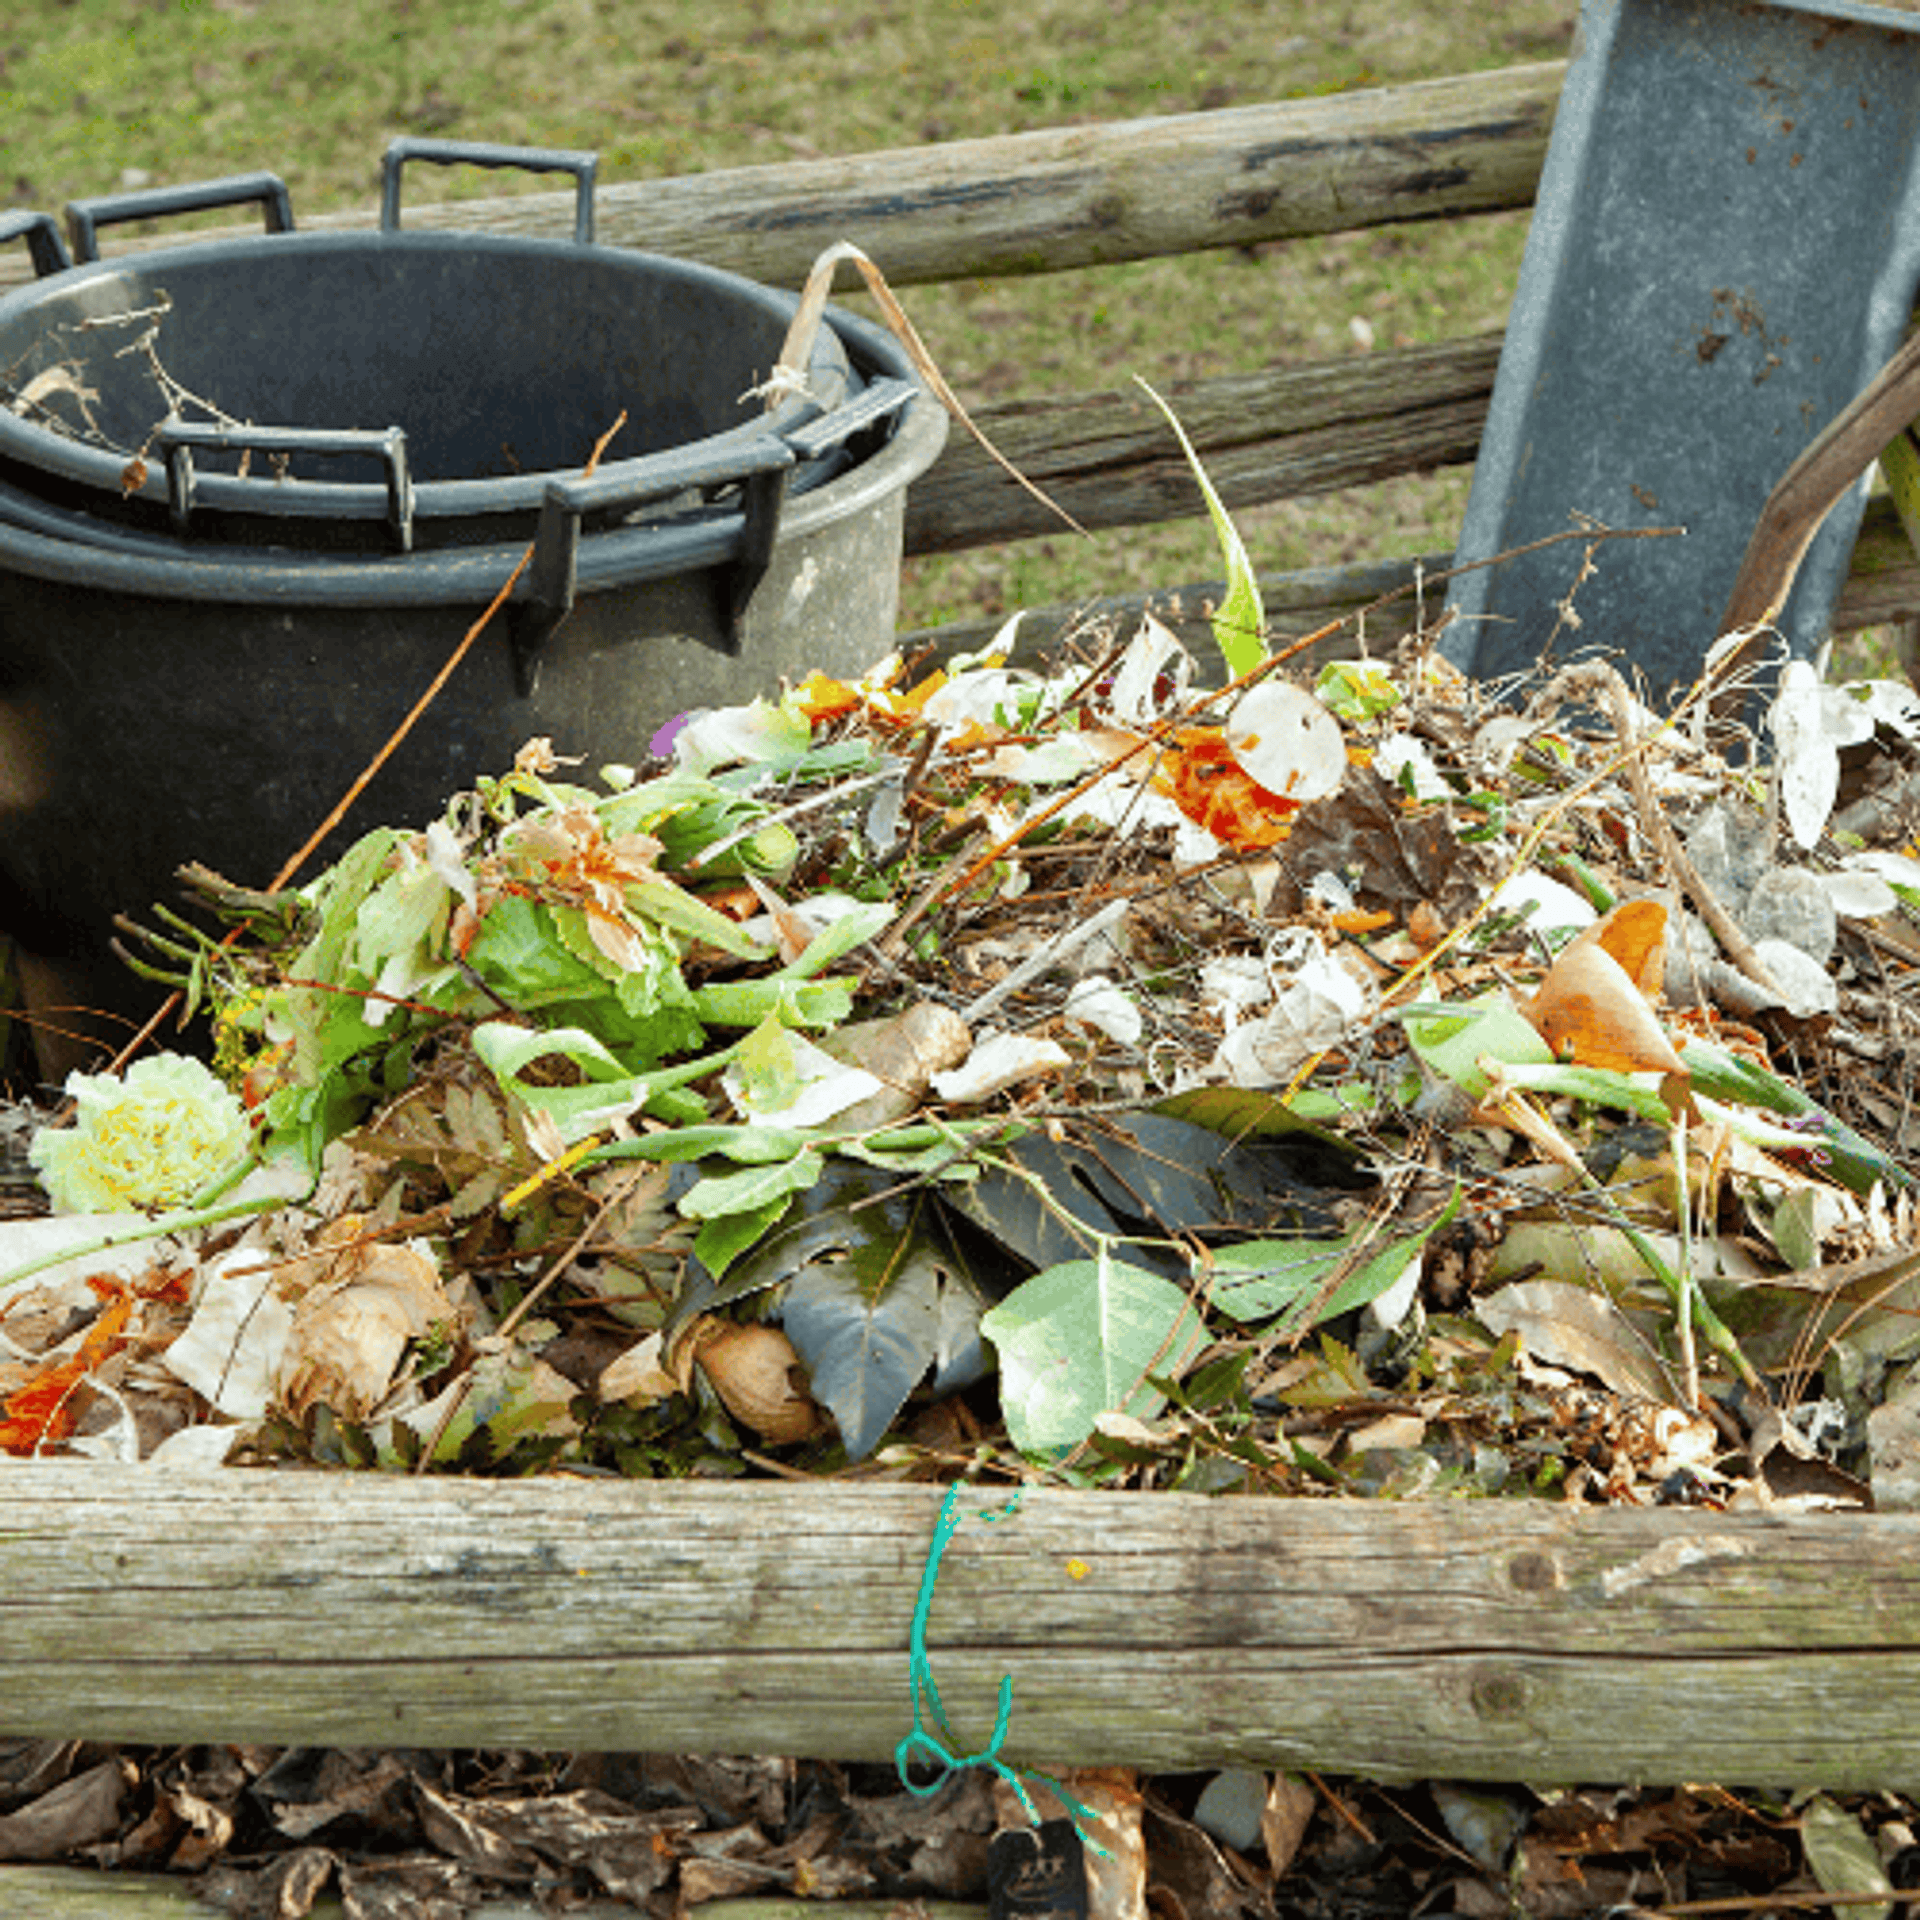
[[1037, 1074], [1054, 1071]]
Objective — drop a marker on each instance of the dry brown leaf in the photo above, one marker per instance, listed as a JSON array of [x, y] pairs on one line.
[[759, 1379], [641, 1374], [351, 1330], [1589, 1011], [1635, 933], [81, 1812], [1283, 1821], [906, 1051]]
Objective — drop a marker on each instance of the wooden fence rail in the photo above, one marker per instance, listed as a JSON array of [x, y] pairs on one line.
[[1069, 196], [1488, 1640]]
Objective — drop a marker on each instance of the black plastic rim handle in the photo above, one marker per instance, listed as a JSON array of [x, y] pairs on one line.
[[177, 438], [485, 153], [85, 217], [41, 232]]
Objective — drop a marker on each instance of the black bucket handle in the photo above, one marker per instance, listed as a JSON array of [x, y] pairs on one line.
[[41, 232], [760, 465], [484, 153], [153, 203], [175, 439]]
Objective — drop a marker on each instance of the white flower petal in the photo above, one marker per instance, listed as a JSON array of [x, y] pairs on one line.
[[1001, 1060]]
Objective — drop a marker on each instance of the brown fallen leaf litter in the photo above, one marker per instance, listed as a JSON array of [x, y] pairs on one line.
[[411, 1835], [1459, 1098]]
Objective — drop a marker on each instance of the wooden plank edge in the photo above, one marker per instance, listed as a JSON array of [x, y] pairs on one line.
[[1056, 197], [78, 1893], [1394, 1640]]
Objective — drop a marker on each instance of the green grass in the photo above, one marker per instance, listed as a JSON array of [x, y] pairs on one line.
[[101, 94]]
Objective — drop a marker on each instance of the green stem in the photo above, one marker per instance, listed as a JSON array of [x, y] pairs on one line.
[[1687, 1299], [186, 1220]]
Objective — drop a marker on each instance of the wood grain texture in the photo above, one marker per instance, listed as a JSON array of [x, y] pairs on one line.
[[1110, 459], [75, 1893], [1062, 196], [1494, 1641]]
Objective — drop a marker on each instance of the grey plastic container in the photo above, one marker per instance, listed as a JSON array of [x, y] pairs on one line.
[[1724, 250]]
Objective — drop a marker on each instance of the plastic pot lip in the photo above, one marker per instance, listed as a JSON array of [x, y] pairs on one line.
[[56, 455], [472, 576]]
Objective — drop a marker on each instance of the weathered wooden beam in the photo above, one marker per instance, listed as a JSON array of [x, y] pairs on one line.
[[1883, 587], [1109, 459], [1067, 196], [76, 1893], [1494, 1640]]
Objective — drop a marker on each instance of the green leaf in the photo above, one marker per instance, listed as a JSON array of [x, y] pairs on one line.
[[408, 905], [1841, 1153], [510, 1050], [746, 1146], [1357, 690], [723, 1239], [767, 1067], [1453, 1039], [838, 938], [680, 912], [751, 1189], [1259, 1279], [1637, 1093], [1253, 1113], [329, 1026], [520, 954], [1843, 1857], [685, 831], [1079, 1339], [611, 1091], [794, 1003], [1239, 623]]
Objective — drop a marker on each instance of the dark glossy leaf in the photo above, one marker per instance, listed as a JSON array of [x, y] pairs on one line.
[[873, 1295], [1147, 1176]]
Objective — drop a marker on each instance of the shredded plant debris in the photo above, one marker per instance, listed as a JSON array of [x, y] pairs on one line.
[[1053, 1071]]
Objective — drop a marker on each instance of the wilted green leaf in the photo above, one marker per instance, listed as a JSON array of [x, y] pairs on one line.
[[752, 1189], [1843, 1857], [1079, 1340], [1239, 623], [723, 1239], [1453, 1040], [1357, 690], [1259, 1279]]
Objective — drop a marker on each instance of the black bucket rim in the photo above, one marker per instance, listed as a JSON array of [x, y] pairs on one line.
[[474, 575], [102, 472]]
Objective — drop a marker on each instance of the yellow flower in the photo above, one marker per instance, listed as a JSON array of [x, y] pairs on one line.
[[152, 1139]]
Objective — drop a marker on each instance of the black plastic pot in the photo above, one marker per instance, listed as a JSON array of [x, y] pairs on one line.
[[421, 386], [207, 696]]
